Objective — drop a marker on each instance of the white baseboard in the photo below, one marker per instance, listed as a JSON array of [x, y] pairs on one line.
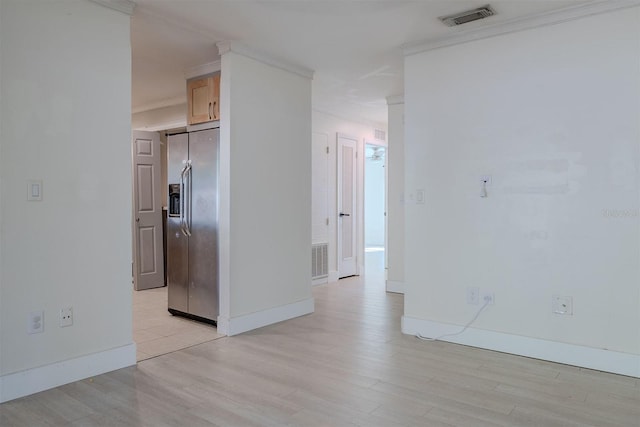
[[222, 325], [570, 354], [393, 286], [320, 281], [249, 322], [333, 276], [24, 383]]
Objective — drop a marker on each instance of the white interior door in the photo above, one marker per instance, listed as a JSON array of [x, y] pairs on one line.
[[347, 213], [148, 265]]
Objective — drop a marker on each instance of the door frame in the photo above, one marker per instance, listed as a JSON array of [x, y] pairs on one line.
[[379, 143]]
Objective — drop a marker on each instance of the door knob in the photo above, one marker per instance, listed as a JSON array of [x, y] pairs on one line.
[[344, 214], [137, 219]]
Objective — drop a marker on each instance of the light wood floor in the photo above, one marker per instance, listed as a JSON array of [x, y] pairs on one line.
[[345, 365], [156, 331]]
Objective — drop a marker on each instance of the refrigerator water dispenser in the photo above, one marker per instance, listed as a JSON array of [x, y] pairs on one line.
[[174, 200]]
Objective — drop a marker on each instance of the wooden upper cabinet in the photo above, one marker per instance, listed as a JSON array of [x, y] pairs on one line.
[[203, 99], [216, 97]]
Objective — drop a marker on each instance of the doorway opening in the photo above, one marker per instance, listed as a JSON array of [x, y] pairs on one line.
[[348, 223], [155, 330], [375, 220]]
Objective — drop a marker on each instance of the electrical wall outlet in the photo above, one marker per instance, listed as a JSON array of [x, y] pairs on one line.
[[488, 298], [66, 317], [35, 322], [473, 295], [562, 305]]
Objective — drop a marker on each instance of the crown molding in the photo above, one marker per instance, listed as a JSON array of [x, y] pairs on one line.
[[169, 102], [241, 49], [125, 6], [395, 100], [224, 47], [520, 24], [350, 118], [202, 70], [165, 20]]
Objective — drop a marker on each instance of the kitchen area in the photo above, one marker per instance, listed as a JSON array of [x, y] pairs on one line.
[[176, 296], [262, 108]]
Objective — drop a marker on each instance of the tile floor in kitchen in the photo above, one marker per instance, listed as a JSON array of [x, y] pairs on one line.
[[157, 332]]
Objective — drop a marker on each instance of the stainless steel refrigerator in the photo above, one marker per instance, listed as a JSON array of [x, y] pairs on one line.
[[192, 224]]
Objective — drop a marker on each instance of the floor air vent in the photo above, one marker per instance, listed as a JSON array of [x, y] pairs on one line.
[[319, 260], [468, 16]]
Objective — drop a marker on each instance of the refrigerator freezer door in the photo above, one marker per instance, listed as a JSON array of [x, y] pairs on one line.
[[177, 242], [203, 219]]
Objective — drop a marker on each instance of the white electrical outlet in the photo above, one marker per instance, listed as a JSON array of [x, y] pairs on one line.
[[66, 317], [473, 295], [35, 322], [488, 298], [562, 305]]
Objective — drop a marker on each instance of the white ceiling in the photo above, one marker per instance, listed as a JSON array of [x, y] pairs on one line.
[[354, 46]]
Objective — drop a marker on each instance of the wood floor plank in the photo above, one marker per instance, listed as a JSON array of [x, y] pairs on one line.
[[347, 364]]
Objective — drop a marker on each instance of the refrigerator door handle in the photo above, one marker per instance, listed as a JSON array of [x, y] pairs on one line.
[[182, 197], [187, 214]]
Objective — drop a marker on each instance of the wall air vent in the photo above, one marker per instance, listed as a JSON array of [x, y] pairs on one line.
[[319, 260], [468, 16]]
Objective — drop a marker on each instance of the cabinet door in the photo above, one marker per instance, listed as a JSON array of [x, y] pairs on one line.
[[215, 81], [200, 100]]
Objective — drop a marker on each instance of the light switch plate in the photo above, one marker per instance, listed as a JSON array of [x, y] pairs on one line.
[[34, 190], [35, 322]]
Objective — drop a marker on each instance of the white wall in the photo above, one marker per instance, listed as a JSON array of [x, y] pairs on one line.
[[65, 102], [265, 192], [553, 115], [326, 127], [320, 189], [374, 202], [395, 198]]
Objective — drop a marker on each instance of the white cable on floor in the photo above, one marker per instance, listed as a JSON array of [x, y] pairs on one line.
[[486, 303]]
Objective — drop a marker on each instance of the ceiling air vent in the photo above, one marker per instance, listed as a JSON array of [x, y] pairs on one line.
[[468, 16]]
